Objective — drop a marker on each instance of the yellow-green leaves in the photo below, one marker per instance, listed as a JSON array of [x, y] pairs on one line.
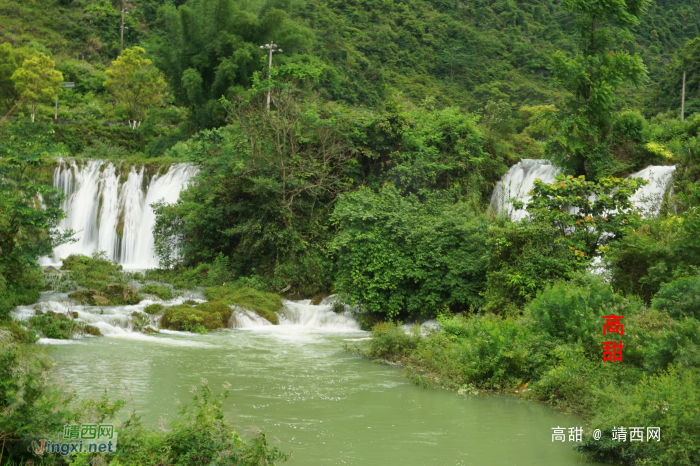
[[37, 80], [135, 82]]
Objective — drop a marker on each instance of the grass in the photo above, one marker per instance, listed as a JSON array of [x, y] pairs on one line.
[[263, 304]]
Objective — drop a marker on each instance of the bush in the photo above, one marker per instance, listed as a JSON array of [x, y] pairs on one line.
[[163, 292], [677, 344], [572, 312], [680, 298], [669, 400], [400, 255], [391, 342], [154, 309], [57, 326], [264, 304], [485, 351], [204, 316]]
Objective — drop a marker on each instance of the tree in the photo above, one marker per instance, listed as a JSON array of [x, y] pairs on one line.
[[37, 80], [588, 214], [211, 48], [8, 65], [668, 92], [135, 82], [583, 124], [29, 210]]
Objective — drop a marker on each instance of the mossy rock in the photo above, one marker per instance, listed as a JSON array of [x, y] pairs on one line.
[[154, 309], [263, 304], [148, 330], [82, 297], [212, 307], [92, 330], [316, 300]]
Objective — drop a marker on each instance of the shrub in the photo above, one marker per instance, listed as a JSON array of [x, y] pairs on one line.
[[680, 298], [670, 401], [57, 326], [677, 344], [398, 254], [163, 292], [486, 351], [204, 316], [391, 342], [154, 308], [572, 312]]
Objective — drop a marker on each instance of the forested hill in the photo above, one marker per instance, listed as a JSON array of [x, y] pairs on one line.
[[459, 52]]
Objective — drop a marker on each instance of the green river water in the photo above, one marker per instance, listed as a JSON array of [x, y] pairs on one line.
[[313, 399]]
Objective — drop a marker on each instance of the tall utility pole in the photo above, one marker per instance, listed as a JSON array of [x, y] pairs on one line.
[[124, 13], [683, 100], [272, 47]]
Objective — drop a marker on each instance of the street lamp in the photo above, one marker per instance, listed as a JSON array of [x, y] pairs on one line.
[[272, 47]]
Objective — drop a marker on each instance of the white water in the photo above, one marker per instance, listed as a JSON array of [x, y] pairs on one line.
[[117, 321], [518, 182], [99, 207], [520, 179]]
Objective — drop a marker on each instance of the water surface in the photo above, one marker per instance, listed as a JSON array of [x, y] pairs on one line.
[[324, 405]]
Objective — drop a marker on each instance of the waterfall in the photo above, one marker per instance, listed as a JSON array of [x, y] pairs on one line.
[[109, 209], [299, 314], [648, 198], [518, 182], [520, 179]]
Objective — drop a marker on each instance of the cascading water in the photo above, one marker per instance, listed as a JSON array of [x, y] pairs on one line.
[[300, 314], [111, 214], [518, 182], [521, 177]]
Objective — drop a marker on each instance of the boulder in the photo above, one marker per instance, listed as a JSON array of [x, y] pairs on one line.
[[92, 330], [52, 270], [129, 292], [100, 300], [114, 290]]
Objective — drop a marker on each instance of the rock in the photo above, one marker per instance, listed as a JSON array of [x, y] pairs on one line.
[[92, 330], [82, 297], [37, 311], [129, 292], [115, 290], [96, 292], [100, 300], [148, 330], [52, 270], [74, 314]]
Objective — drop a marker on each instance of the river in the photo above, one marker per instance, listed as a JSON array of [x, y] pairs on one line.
[[312, 398]]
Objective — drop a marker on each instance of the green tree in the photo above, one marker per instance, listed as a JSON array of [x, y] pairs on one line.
[[667, 95], [37, 80], [135, 82], [29, 209], [584, 121], [399, 255], [589, 214], [211, 48], [8, 65]]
